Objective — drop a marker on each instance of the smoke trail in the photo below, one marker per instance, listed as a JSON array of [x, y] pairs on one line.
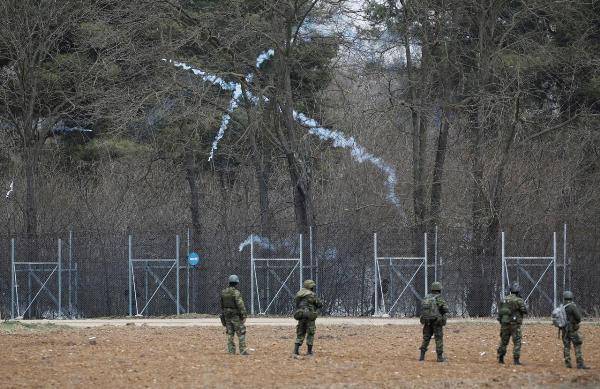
[[235, 101], [215, 80], [232, 86], [10, 189], [359, 153], [233, 104], [264, 56], [263, 242]]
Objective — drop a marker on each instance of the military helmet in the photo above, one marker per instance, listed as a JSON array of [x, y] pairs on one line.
[[309, 284], [436, 286], [234, 279], [568, 295], [515, 288]]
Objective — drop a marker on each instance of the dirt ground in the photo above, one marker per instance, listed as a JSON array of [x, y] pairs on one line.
[[346, 356]]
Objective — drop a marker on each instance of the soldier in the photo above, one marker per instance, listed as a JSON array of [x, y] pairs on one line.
[[510, 315], [307, 305], [234, 315], [570, 334], [433, 318]]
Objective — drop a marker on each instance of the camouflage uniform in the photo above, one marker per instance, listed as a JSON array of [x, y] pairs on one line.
[[435, 328], [571, 334], [307, 304], [510, 316], [234, 315]]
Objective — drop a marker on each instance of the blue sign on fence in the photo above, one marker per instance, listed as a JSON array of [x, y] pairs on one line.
[[193, 259]]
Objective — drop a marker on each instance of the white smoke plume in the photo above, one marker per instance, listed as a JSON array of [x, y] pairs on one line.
[[233, 104], [359, 153], [10, 189], [262, 242], [215, 80], [264, 56], [231, 86]]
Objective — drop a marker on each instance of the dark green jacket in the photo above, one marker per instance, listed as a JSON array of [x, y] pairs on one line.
[[442, 306], [573, 315], [512, 309], [306, 298], [232, 302], [440, 302]]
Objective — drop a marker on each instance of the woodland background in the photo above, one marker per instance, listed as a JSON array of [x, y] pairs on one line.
[[488, 110]]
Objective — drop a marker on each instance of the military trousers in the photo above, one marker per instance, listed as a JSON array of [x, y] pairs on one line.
[[430, 330], [572, 336], [508, 330], [306, 328], [235, 326]]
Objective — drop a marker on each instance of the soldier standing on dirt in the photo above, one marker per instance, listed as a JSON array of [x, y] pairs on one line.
[[307, 305], [234, 315], [510, 315], [570, 334], [433, 318]]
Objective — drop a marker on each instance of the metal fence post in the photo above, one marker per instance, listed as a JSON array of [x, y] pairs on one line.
[[554, 267], [425, 260], [59, 266], [76, 284], [177, 271], [129, 267], [375, 275], [310, 253], [301, 262], [252, 274], [316, 261], [435, 254], [564, 257], [70, 269], [187, 287], [502, 264], [12, 278]]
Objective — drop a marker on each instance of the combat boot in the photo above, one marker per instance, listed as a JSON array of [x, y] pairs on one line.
[[422, 356], [440, 358], [231, 348], [568, 365], [297, 349], [517, 361], [501, 359], [309, 352], [582, 366]]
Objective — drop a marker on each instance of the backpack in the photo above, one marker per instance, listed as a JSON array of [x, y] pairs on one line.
[[303, 312], [505, 312], [559, 316], [508, 312], [429, 309]]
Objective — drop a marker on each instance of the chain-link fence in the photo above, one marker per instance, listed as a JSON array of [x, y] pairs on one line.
[[358, 272]]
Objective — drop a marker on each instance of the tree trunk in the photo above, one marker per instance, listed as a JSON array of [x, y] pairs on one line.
[[191, 176], [31, 212], [479, 299], [438, 170], [419, 145], [263, 167], [294, 153]]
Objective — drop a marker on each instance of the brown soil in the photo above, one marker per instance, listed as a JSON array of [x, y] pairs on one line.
[[346, 356]]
